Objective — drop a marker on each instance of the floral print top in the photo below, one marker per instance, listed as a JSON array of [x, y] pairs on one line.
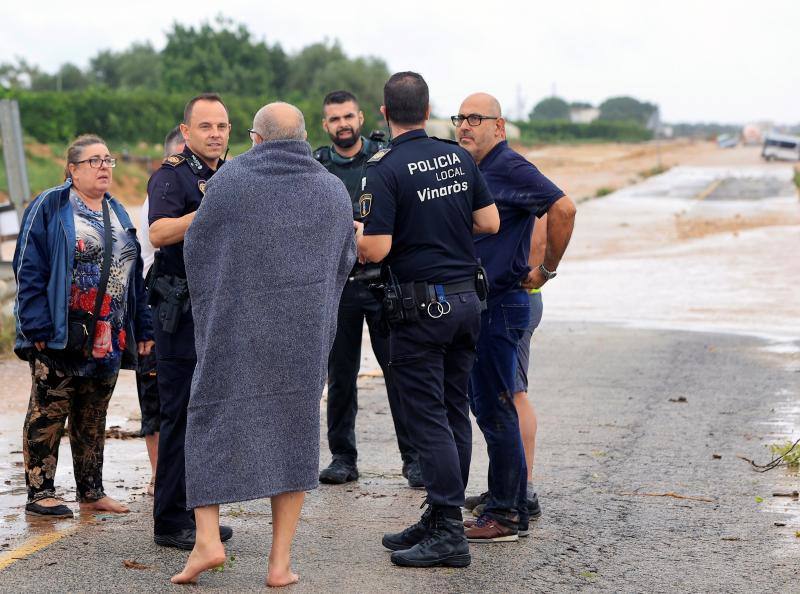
[[110, 336]]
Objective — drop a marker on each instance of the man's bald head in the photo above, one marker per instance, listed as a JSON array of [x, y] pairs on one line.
[[484, 102], [490, 130], [280, 121]]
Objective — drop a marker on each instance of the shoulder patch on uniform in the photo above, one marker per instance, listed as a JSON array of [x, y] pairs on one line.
[[174, 160], [447, 140], [364, 204], [379, 155]]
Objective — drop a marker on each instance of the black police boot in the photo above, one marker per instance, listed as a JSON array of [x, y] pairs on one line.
[[413, 474], [400, 541], [445, 545], [339, 471]]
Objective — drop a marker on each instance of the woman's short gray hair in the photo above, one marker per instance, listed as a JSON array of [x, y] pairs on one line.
[[280, 121]]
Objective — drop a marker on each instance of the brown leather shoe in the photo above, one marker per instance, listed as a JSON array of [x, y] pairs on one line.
[[470, 522], [486, 529]]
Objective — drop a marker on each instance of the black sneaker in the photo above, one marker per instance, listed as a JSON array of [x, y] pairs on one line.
[[534, 509], [413, 474], [400, 541], [184, 539], [339, 472], [445, 545], [471, 502]]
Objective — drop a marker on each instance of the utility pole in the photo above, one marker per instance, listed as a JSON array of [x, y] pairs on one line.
[[14, 155], [521, 115]]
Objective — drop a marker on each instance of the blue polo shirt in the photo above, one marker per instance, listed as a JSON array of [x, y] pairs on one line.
[[521, 193]]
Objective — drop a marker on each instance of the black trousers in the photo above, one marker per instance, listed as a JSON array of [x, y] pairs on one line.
[[430, 363], [356, 304], [175, 366]]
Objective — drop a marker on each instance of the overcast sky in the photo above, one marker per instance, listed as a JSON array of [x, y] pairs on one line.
[[700, 60]]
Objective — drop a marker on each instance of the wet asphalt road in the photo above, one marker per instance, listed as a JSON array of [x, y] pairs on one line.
[[612, 431]]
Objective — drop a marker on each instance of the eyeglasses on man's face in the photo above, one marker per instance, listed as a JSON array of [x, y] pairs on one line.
[[473, 119], [97, 162]]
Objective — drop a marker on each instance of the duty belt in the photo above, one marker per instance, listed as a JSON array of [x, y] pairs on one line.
[[431, 298]]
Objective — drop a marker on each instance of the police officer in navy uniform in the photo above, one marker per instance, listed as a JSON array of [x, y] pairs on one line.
[[423, 200], [175, 192], [346, 159]]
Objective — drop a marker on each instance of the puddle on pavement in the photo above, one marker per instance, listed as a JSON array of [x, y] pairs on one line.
[[784, 425], [126, 472]]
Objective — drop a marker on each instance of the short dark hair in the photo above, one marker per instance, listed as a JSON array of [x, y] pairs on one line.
[[338, 97], [174, 136], [187, 111], [405, 97]]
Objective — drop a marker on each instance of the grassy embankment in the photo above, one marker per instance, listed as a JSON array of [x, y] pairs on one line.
[[45, 163]]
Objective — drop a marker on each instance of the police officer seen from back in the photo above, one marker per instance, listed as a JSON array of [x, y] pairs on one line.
[[175, 192], [346, 158], [423, 200]]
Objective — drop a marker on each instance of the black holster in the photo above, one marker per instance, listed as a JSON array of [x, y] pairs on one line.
[[169, 296]]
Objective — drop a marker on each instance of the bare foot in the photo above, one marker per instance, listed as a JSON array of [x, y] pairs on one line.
[[151, 488], [281, 577], [200, 560], [105, 504]]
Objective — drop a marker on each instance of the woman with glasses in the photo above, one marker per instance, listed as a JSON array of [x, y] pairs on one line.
[[81, 315]]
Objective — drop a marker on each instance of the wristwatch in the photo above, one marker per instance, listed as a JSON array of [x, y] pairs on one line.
[[546, 273]]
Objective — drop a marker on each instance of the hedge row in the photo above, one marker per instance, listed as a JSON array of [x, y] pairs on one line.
[[561, 130], [121, 116]]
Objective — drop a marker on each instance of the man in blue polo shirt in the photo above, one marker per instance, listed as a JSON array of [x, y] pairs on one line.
[[521, 193]]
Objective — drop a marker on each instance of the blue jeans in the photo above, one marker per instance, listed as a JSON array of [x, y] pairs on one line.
[[491, 390]]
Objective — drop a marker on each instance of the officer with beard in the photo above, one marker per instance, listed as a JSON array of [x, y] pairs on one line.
[[346, 158]]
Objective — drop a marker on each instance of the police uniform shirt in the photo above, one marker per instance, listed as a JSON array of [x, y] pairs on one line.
[[521, 193], [176, 190], [349, 170], [422, 191]]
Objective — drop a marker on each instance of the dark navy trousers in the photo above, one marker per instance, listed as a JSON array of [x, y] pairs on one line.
[[491, 391], [430, 364], [356, 304], [175, 365]]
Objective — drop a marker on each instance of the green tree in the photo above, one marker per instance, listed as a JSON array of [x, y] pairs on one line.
[[627, 109], [138, 67], [19, 75], [104, 69], [552, 108], [222, 58], [323, 67]]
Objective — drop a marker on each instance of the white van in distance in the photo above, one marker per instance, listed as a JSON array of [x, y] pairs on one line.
[[782, 147]]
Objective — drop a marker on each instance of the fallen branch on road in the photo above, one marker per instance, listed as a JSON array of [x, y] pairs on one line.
[[784, 458], [671, 494]]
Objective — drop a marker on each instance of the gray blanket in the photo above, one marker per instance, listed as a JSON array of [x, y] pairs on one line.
[[267, 257]]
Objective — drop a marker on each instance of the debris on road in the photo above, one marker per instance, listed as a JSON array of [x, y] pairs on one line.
[[671, 494]]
